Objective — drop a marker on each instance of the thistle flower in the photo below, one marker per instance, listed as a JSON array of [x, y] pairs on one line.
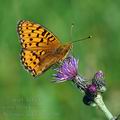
[[92, 90], [68, 70]]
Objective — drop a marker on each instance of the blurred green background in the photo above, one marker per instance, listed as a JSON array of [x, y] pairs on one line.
[[24, 98]]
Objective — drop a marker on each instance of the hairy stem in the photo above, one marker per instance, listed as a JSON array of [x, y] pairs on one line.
[[99, 101]]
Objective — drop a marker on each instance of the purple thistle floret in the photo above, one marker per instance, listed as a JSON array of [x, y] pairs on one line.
[[92, 88], [68, 70]]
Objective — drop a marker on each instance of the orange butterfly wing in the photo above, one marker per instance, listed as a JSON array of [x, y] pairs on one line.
[[40, 48], [34, 35]]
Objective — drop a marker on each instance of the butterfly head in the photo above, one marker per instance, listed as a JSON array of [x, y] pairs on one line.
[[68, 47], [64, 50]]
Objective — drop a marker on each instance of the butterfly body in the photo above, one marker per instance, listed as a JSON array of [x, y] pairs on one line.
[[40, 48]]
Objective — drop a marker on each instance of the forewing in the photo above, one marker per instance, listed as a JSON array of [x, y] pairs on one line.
[[33, 35]]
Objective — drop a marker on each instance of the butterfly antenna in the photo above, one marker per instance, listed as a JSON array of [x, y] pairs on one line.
[[71, 31], [86, 38]]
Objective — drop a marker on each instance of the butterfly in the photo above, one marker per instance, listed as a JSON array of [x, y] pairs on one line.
[[41, 49]]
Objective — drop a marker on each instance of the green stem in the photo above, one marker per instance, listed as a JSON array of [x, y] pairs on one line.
[[99, 101]]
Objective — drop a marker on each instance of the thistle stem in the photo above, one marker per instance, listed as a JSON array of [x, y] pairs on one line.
[[79, 81], [99, 101]]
